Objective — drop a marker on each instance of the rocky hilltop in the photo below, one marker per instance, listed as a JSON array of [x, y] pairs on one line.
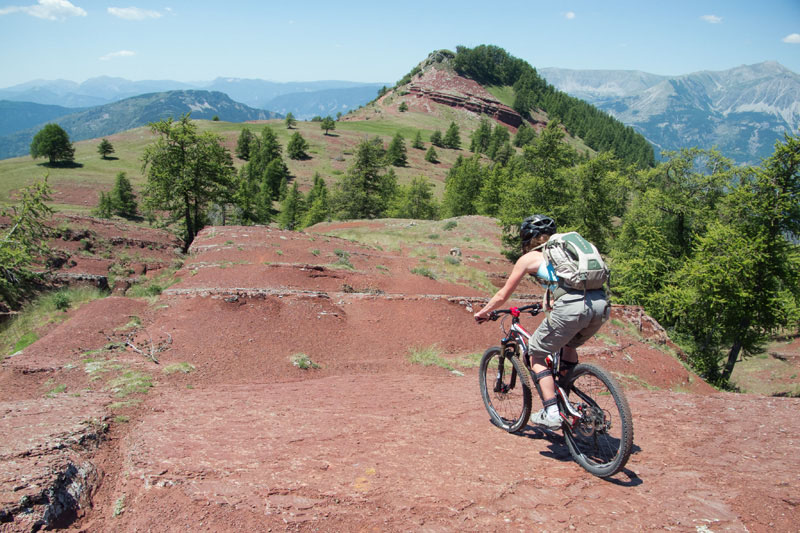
[[327, 380]]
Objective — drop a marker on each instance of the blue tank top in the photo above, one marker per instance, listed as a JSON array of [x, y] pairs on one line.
[[546, 276]]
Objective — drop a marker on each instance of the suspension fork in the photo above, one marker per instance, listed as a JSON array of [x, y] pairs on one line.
[[509, 349]]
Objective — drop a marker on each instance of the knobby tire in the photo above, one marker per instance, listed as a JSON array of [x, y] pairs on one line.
[[602, 441], [509, 407]]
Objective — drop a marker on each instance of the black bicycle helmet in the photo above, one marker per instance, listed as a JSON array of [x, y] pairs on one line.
[[534, 226]]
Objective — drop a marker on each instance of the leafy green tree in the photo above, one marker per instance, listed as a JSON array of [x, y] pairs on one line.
[[415, 200], [186, 171], [53, 143], [365, 190], [290, 120], [462, 187], [452, 138], [418, 141], [431, 156], [598, 197], [105, 148], [22, 242], [123, 199], [328, 124], [436, 139], [403, 107], [396, 153], [525, 135], [548, 153], [245, 144], [742, 281], [296, 149], [291, 209]]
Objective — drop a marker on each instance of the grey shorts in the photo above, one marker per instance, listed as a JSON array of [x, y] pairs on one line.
[[573, 321]]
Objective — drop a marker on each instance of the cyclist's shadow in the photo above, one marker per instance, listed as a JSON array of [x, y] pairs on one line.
[[557, 449]]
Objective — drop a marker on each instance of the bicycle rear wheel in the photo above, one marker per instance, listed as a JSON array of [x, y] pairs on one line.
[[601, 440], [505, 389]]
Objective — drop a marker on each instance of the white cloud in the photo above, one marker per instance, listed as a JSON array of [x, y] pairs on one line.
[[133, 13], [792, 38], [114, 55], [712, 19], [569, 15], [47, 9]]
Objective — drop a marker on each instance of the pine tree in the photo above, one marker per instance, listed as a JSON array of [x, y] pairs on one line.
[[500, 136], [297, 146], [105, 206], [416, 200], [396, 153], [291, 209], [431, 156], [462, 187], [290, 120], [123, 198], [365, 190], [436, 139], [317, 204], [452, 139], [525, 135], [481, 137], [244, 144], [418, 141]]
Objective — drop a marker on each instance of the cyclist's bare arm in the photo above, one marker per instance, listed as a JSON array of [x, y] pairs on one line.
[[527, 264]]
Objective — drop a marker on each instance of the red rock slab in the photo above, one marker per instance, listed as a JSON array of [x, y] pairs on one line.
[[403, 451]]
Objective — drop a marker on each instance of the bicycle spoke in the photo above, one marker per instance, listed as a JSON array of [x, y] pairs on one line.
[[602, 438]]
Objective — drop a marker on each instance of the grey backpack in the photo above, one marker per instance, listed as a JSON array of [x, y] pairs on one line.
[[576, 261]]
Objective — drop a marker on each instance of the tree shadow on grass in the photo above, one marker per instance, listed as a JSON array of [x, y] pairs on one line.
[[62, 164]]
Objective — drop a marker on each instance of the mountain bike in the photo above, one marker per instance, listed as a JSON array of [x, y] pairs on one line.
[[596, 418]]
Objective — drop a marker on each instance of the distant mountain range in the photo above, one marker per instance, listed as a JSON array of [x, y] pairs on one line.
[[104, 105], [742, 111], [104, 120], [309, 98]]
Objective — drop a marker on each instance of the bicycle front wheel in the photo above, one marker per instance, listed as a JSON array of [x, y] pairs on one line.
[[601, 440], [505, 389]]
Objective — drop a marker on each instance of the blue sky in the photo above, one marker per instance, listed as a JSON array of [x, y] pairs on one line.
[[375, 41]]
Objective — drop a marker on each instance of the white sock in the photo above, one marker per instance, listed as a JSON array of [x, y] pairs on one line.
[[552, 410]]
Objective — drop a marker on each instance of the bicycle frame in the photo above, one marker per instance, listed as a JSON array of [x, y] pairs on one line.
[[516, 342]]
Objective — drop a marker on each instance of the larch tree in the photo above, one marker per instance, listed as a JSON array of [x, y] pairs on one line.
[[186, 171]]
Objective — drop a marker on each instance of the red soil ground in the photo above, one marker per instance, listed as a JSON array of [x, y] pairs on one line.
[[368, 441]]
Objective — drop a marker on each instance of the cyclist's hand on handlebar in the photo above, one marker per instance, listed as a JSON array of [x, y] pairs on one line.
[[480, 319]]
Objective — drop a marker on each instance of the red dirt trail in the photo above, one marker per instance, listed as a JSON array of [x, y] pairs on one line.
[[369, 441]]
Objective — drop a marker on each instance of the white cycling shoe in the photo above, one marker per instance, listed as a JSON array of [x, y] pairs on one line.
[[541, 418]]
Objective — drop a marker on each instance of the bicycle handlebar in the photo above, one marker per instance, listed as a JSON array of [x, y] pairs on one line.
[[533, 309]]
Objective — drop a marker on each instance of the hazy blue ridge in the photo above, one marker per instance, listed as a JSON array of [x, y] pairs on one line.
[[307, 105], [105, 120]]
